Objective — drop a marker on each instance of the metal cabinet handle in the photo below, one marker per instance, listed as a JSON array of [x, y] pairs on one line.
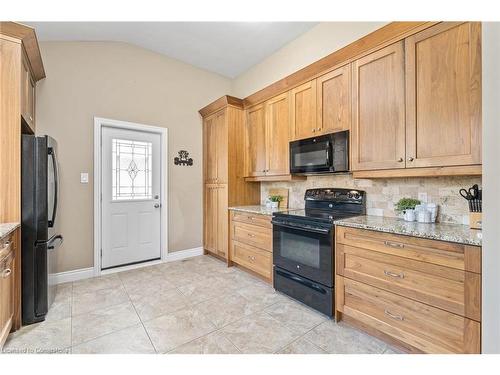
[[31, 118], [397, 317], [393, 274], [157, 205], [318, 129], [251, 218], [314, 130], [411, 158], [394, 244], [6, 273], [251, 235], [400, 160], [252, 258]]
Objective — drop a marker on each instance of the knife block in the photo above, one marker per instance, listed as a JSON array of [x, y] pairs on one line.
[[475, 220]]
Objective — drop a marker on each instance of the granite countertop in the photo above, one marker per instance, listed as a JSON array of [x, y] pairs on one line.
[[6, 228], [260, 210], [435, 231]]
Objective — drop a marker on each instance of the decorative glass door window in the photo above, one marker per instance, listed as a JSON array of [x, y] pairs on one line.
[[131, 170]]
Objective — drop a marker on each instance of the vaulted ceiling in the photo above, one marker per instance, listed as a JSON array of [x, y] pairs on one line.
[[226, 48]]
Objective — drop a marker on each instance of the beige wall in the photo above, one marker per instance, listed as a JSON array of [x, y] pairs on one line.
[[320, 41], [120, 81]]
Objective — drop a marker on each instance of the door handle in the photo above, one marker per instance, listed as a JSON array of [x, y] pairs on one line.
[[157, 205]]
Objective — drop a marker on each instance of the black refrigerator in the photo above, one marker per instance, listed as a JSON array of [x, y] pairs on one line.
[[39, 227]]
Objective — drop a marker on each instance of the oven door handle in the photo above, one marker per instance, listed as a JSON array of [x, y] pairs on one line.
[[298, 227], [302, 281]]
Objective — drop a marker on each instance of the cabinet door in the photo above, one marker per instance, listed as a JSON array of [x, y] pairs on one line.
[[334, 100], [210, 149], [27, 96], [222, 146], [378, 109], [6, 296], [277, 136], [210, 219], [222, 221], [443, 88], [255, 138], [303, 111]]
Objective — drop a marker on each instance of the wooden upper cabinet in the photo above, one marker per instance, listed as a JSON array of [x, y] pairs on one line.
[[210, 149], [27, 96], [334, 101], [255, 137], [378, 110], [215, 148], [221, 139], [277, 135], [443, 95], [303, 111]]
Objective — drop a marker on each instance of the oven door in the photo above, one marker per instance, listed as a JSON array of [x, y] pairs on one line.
[[305, 251]]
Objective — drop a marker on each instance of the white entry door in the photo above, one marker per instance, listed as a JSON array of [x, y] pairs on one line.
[[131, 188]]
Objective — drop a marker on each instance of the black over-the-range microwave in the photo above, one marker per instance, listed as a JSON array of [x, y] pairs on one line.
[[323, 154]]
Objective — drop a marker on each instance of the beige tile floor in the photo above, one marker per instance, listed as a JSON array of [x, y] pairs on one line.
[[196, 306]]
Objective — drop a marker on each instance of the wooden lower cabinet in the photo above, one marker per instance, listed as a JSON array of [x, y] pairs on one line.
[[215, 223], [424, 295], [250, 243], [429, 329], [253, 258], [9, 286]]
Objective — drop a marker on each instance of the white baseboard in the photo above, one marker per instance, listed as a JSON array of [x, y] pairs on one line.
[[74, 275], [86, 273], [183, 254]]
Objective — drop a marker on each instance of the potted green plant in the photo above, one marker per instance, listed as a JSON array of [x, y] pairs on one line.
[[406, 206], [275, 201]]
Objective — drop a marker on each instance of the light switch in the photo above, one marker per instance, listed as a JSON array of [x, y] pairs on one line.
[[84, 178]]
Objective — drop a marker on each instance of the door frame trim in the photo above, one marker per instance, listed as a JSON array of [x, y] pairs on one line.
[[99, 123]]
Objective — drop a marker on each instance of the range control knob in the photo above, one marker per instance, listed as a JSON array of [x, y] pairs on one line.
[[353, 194]]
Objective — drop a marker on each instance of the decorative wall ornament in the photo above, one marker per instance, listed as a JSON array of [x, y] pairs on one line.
[[183, 158]]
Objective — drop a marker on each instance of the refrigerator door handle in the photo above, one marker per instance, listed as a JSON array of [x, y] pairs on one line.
[[52, 153], [51, 246]]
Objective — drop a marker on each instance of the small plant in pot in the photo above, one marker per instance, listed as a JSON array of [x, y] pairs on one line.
[[406, 207], [275, 201]]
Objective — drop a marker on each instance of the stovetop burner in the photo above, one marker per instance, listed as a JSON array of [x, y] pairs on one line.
[[327, 205]]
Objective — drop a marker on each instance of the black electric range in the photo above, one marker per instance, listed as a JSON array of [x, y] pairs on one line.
[[303, 245]]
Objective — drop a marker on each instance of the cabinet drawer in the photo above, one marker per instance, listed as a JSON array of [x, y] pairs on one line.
[[452, 255], [261, 220], [426, 328], [447, 288], [253, 235], [255, 259]]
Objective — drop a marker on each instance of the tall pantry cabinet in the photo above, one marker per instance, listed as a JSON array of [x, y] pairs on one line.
[[223, 169]]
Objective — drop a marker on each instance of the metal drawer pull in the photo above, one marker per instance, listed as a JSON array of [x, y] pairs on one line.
[[397, 317], [251, 235], [6, 273], [393, 274], [250, 218], [394, 244], [252, 258]]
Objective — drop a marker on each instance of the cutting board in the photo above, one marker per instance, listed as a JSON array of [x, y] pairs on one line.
[[284, 193]]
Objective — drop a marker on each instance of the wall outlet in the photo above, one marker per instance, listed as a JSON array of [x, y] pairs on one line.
[[422, 197], [84, 178]]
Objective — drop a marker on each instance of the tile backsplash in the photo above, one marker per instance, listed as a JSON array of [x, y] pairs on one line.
[[382, 194]]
